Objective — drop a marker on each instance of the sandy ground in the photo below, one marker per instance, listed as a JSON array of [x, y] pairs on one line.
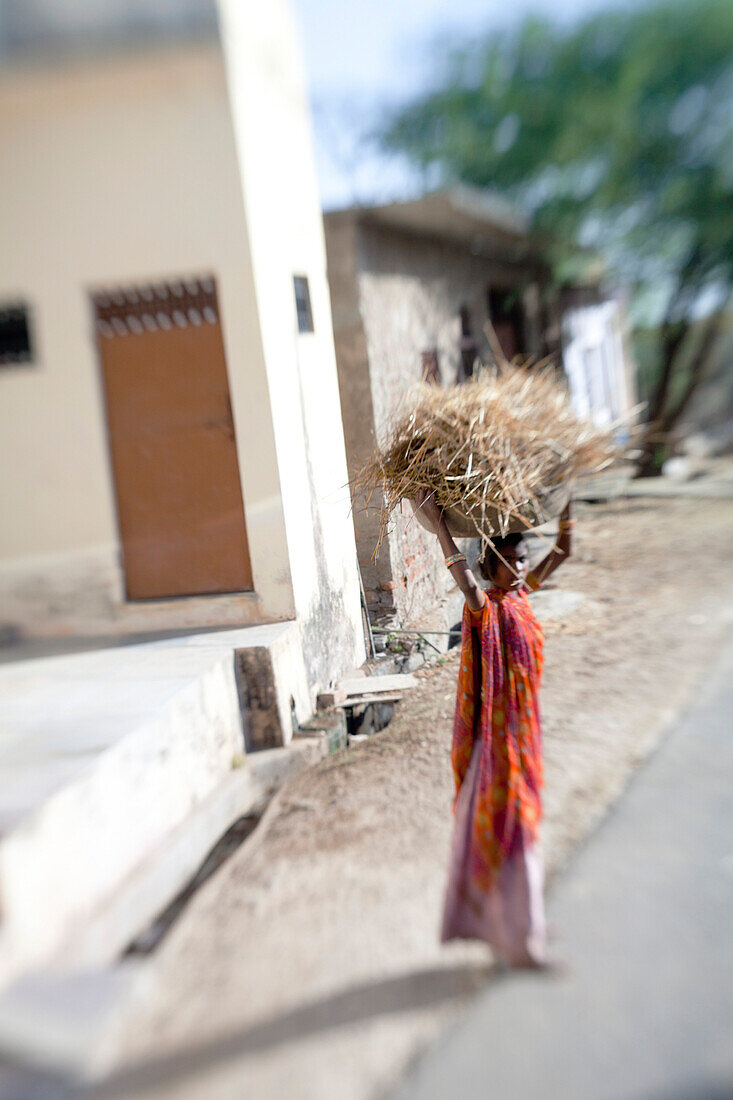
[[309, 966]]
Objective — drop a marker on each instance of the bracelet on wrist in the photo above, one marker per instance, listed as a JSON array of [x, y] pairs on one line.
[[454, 559]]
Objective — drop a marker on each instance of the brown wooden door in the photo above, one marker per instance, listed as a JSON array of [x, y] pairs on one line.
[[174, 456]]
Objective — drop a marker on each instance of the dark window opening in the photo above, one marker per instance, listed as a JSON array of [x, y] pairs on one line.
[[469, 348], [303, 303], [506, 314], [430, 367], [15, 340]]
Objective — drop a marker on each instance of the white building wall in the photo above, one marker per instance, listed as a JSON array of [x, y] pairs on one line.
[[121, 170], [596, 362], [286, 238]]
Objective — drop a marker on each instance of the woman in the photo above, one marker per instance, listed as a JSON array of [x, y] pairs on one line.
[[495, 880]]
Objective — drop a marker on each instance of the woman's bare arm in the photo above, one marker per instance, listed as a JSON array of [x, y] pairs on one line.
[[562, 549], [460, 572]]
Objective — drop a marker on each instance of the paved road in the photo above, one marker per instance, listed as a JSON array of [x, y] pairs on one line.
[[646, 911]]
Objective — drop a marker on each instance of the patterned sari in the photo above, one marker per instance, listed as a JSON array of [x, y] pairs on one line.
[[497, 753]]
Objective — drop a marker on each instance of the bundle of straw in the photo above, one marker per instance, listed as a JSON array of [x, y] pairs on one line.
[[497, 451]]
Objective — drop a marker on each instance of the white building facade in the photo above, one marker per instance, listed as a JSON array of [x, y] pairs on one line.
[[598, 363], [171, 445]]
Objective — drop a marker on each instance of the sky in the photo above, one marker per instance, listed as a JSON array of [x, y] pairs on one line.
[[362, 55]]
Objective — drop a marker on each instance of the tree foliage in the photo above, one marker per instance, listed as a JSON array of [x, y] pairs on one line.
[[614, 133]]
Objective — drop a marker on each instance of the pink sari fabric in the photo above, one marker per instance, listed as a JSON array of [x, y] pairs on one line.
[[510, 914], [495, 879]]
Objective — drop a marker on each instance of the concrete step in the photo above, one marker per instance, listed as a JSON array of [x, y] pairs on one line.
[[153, 884], [377, 684], [103, 755], [57, 1019]]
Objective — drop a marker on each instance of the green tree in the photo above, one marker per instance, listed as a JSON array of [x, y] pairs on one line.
[[616, 134]]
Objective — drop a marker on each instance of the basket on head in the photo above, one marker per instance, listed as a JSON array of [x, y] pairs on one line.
[[464, 525]]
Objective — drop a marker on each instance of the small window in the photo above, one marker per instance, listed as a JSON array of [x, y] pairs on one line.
[[303, 303], [15, 341]]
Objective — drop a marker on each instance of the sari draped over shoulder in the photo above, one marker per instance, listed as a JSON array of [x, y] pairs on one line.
[[510, 771]]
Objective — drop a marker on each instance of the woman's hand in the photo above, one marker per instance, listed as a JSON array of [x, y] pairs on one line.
[[429, 507]]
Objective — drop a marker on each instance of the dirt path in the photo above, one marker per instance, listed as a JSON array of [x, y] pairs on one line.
[[309, 966]]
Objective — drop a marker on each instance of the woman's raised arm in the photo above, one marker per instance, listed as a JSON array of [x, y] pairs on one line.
[[562, 549], [455, 561]]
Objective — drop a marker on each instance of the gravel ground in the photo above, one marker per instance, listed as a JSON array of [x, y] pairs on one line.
[[309, 966]]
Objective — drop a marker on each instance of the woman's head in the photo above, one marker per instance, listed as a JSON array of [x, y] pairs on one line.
[[509, 576]]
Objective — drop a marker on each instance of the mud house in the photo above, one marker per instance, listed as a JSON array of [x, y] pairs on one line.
[[412, 286], [171, 446]]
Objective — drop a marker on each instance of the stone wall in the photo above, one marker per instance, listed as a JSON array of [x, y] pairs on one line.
[[394, 297], [357, 410]]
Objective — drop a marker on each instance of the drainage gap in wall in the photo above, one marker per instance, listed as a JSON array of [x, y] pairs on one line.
[[364, 719], [148, 940]]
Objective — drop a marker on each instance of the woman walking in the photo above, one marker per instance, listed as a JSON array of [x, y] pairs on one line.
[[495, 879]]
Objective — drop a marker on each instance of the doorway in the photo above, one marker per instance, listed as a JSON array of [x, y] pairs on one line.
[[171, 437], [506, 314]]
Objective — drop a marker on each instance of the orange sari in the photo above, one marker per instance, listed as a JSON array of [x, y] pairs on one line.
[[508, 724]]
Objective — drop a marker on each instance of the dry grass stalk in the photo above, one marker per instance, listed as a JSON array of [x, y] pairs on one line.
[[494, 448]]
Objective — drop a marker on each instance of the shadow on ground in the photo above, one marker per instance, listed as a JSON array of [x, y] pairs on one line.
[[405, 993]]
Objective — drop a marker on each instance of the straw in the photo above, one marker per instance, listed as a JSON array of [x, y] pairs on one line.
[[494, 448]]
